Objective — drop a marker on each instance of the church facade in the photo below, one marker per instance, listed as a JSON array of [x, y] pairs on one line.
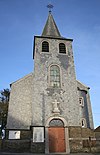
[[49, 110]]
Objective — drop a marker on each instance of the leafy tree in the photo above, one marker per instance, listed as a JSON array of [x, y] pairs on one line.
[[5, 93], [4, 102]]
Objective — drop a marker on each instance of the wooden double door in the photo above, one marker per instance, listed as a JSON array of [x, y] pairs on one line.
[[57, 140]]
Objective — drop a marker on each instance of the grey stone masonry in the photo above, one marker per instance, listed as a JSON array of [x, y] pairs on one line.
[[50, 99], [33, 102], [44, 95], [19, 112], [86, 110]]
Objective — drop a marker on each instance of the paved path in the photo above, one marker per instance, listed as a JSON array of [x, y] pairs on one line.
[[4, 153]]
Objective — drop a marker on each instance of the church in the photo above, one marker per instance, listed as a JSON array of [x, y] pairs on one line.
[[49, 109]]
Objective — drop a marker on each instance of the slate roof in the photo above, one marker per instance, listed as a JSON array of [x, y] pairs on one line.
[[50, 28]]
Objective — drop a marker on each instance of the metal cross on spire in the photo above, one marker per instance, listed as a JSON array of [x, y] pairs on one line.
[[50, 7]]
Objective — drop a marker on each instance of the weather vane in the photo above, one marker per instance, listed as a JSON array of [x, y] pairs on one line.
[[50, 6]]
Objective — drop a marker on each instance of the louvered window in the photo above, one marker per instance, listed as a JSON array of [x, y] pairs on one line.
[[45, 46], [62, 48]]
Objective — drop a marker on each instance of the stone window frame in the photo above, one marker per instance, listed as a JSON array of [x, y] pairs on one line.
[[59, 74], [45, 51], [83, 123], [81, 101], [65, 52], [56, 117]]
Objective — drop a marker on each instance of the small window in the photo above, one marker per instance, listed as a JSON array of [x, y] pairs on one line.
[[81, 101], [83, 123], [45, 46], [55, 76], [62, 48]]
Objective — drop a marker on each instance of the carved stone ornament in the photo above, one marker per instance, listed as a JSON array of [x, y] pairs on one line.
[[55, 106]]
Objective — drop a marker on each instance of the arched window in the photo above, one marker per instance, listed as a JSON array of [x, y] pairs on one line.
[[56, 122], [83, 123], [62, 48], [45, 46], [55, 76]]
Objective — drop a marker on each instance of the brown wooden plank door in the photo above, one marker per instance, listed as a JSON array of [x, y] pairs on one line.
[[57, 139]]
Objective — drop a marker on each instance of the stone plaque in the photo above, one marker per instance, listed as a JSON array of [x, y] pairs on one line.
[[14, 134], [38, 134]]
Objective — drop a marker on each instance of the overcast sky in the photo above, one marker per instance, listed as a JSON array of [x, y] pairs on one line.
[[20, 20]]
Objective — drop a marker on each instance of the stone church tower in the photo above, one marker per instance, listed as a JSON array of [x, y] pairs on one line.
[[49, 108]]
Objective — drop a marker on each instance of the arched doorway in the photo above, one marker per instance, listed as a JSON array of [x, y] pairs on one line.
[[56, 132]]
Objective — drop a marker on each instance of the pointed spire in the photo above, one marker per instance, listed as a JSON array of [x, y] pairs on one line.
[[50, 28]]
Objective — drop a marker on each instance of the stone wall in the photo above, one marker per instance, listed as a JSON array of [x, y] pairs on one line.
[[84, 146], [83, 140], [75, 145], [37, 147], [66, 95], [16, 145], [80, 140], [86, 110], [22, 146], [19, 111], [78, 132], [86, 133], [75, 132], [91, 146], [97, 135]]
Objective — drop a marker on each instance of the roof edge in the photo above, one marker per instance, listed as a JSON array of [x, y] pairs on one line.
[[49, 37], [83, 84], [26, 76], [52, 37]]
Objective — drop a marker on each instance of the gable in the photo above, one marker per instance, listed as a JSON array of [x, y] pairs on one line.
[[22, 79]]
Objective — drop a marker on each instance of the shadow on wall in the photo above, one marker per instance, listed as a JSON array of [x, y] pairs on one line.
[[17, 123]]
